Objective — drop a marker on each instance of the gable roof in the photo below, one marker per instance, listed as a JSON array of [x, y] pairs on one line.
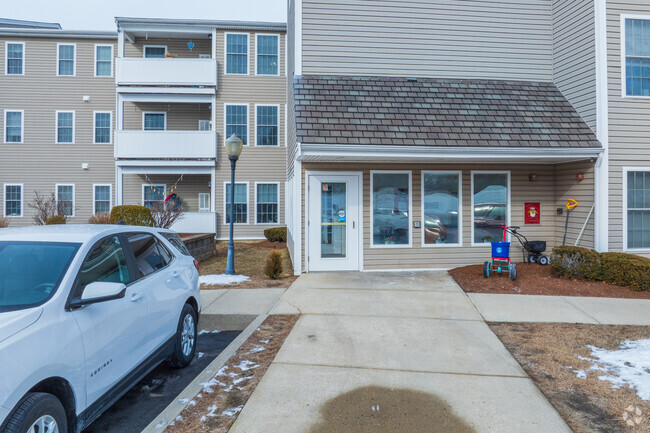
[[21, 24], [436, 112]]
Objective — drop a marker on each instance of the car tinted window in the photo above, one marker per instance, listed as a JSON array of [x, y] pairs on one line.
[[30, 272], [148, 258], [105, 262], [176, 241]]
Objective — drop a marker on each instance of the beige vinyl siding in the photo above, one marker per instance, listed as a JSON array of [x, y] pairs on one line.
[[480, 39], [39, 163], [174, 46], [291, 68], [187, 188], [629, 128], [180, 117], [574, 55], [566, 187]]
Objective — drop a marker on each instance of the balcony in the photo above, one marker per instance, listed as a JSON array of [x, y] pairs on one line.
[[166, 144], [196, 222], [135, 71]]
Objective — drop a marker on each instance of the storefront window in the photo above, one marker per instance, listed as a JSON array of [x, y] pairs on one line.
[[391, 208], [441, 205], [490, 211]]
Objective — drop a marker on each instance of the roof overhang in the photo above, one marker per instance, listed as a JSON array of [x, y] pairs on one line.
[[53, 33], [431, 154]]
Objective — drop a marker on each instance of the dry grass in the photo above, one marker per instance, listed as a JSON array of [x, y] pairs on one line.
[[250, 259], [587, 405], [4, 222], [233, 386]]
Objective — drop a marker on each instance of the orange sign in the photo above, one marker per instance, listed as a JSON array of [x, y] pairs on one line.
[[531, 213]]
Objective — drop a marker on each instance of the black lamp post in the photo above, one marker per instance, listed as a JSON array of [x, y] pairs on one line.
[[233, 149]]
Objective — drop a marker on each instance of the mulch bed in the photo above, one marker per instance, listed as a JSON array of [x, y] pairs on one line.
[[217, 407], [534, 279], [549, 353]]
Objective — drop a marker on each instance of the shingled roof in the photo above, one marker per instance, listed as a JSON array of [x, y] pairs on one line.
[[436, 112]]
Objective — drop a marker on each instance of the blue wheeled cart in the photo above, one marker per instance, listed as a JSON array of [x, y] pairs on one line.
[[500, 262]]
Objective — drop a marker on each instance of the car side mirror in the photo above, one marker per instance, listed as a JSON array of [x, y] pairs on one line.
[[99, 291]]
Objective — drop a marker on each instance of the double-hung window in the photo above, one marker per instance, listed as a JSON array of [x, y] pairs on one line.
[[237, 122], [441, 200], [490, 206], [391, 208], [65, 200], [267, 54], [66, 59], [13, 200], [237, 53], [155, 51], [637, 212], [101, 198], [65, 126], [241, 203], [14, 126], [637, 57], [267, 203], [102, 127], [15, 61], [267, 125], [103, 60], [152, 194], [154, 121]]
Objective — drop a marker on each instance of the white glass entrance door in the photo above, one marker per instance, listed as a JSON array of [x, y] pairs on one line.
[[333, 223]]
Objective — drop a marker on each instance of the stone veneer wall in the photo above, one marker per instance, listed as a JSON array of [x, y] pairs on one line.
[[201, 246]]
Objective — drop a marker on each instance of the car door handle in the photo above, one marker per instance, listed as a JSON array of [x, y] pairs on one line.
[[136, 297]]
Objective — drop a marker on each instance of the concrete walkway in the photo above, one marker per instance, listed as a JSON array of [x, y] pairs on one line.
[[415, 335], [234, 309]]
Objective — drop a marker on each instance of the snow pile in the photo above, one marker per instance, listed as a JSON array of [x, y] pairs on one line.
[[222, 279], [256, 350], [203, 331], [246, 365], [629, 366], [232, 411]]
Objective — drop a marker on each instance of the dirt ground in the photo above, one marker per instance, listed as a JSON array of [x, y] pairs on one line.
[[216, 408], [549, 354], [250, 259], [534, 279]]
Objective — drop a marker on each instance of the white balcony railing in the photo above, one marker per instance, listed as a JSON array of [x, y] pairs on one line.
[[166, 144], [166, 72], [196, 222]]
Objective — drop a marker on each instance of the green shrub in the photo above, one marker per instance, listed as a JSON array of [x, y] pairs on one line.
[[626, 270], [132, 215], [276, 234], [576, 262], [56, 219], [273, 268]]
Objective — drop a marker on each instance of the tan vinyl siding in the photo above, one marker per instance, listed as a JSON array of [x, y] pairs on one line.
[[187, 188], [480, 39], [39, 163], [291, 68], [174, 46], [574, 55], [180, 117], [629, 129], [566, 187]]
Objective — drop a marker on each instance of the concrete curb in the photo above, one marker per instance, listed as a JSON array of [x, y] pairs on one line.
[[175, 408]]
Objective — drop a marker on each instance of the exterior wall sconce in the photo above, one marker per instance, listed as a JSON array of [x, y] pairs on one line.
[[532, 178], [580, 177]]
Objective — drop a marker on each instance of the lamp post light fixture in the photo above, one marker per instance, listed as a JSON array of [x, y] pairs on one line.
[[234, 146]]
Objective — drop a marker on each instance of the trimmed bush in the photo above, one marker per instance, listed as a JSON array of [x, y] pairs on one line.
[[276, 234], [132, 215], [273, 268], [100, 218], [56, 219], [4, 222], [626, 270], [576, 262]]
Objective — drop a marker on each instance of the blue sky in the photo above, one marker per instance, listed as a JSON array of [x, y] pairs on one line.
[[99, 15]]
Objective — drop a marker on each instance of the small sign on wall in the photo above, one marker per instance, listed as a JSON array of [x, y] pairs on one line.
[[531, 213]]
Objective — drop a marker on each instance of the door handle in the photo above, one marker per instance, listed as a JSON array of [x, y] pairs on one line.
[[136, 297]]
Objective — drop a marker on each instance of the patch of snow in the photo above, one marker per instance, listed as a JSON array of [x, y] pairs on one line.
[[203, 331], [212, 409], [192, 403], [246, 365], [375, 408], [207, 386], [628, 366], [203, 418], [183, 400], [240, 380], [232, 411], [162, 423], [200, 355], [580, 374], [199, 395], [222, 279], [265, 341], [257, 350]]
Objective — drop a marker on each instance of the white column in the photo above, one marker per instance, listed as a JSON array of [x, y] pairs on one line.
[[119, 199], [212, 190], [214, 44], [120, 44], [601, 187]]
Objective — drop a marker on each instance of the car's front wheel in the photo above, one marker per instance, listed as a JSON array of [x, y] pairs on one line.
[[186, 335], [38, 413]]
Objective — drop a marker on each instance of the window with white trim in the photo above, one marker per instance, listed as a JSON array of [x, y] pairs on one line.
[[14, 126], [637, 57], [13, 200], [267, 199], [103, 60], [241, 203], [267, 125], [65, 200], [237, 122], [391, 207], [152, 194], [638, 209], [65, 127], [155, 51], [441, 192], [15, 58], [204, 202], [205, 125], [267, 54], [491, 208], [66, 59], [236, 53], [102, 199], [102, 127], [154, 121]]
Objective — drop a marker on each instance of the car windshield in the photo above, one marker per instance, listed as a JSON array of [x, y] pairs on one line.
[[30, 272]]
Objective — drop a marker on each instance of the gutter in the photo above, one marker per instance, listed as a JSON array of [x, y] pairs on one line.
[[51, 33]]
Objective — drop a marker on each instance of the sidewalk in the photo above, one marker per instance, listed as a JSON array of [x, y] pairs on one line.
[[404, 341]]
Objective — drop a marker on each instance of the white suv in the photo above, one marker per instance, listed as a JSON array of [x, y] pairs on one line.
[[85, 312]]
